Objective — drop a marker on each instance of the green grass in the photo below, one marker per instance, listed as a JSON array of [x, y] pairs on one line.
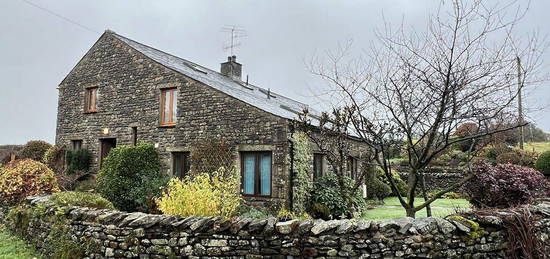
[[538, 147], [392, 208], [12, 247]]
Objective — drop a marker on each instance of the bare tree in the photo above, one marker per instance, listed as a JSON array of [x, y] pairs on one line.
[[418, 87], [330, 134]]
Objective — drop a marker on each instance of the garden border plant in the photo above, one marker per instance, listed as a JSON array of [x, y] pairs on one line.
[[130, 177]]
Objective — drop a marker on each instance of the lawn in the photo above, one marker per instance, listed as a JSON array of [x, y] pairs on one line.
[[14, 248], [538, 147], [392, 208]]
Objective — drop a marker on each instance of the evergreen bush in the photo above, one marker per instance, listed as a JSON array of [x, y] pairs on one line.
[[543, 163], [377, 190], [330, 200], [78, 160], [130, 177], [381, 176]]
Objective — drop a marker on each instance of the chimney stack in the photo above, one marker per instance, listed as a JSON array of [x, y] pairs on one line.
[[231, 68]]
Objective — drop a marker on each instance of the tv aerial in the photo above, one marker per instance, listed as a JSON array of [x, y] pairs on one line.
[[235, 32]]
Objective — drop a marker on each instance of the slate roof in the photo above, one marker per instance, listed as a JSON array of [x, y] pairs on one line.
[[256, 96]]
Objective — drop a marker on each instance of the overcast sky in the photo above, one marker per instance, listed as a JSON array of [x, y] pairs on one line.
[[38, 48]]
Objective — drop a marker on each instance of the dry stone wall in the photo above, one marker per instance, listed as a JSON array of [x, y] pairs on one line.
[[436, 178], [137, 235]]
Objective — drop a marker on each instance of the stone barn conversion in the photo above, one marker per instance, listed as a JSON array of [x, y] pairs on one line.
[[122, 92]]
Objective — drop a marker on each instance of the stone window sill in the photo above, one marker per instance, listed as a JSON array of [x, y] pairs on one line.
[[167, 125]]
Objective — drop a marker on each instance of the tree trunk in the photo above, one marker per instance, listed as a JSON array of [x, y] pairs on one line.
[[411, 182], [410, 212], [428, 207]]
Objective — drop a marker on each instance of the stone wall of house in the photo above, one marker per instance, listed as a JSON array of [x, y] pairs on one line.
[[138, 235], [129, 86], [437, 178]]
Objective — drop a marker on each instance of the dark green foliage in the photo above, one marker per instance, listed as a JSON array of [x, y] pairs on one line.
[[57, 243], [88, 185], [378, 190], [130, 177], [448, 195], [330, 200], [81, 199], [60, 245], [543, 163], [35, 150], [400, 184], [78, 160]]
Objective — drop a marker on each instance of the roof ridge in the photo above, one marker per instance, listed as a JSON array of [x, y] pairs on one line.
[[162, 51], [216, 80], [196, 64]]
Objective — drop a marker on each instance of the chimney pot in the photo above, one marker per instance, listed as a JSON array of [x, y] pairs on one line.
[[231, 68]]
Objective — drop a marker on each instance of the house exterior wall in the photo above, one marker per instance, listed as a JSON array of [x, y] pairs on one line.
[[129, 86]]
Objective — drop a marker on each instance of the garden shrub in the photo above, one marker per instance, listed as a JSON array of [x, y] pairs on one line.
[[543, 163], [22, 178], [215, 194], [330, 201], [491, 152], [504, 185], [78, 160], [377, 190], [81, 199], [88, 185], [399, 183], [54, 158], [130, 177], [517, 157], [245, 211], [285, 215], [508, 158], [35, 150], [448, 195]]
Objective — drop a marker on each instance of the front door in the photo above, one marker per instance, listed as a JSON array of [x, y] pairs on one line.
[[106, 145]]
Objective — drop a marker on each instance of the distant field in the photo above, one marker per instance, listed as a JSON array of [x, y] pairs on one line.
[[538, 147], [8, 149]]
